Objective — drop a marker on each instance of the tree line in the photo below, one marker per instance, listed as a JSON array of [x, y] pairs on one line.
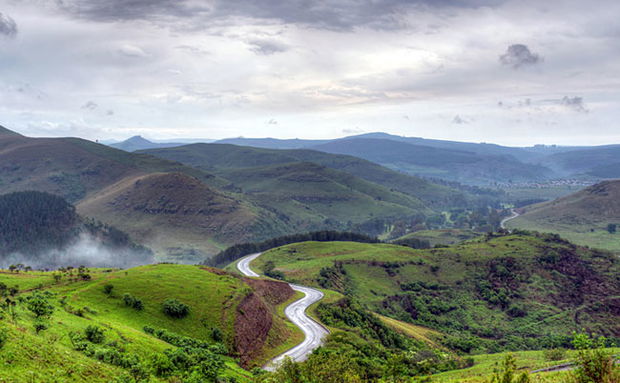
[[237, 251]]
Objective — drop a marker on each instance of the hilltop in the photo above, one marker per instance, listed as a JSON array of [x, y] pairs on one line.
[[582, 217]]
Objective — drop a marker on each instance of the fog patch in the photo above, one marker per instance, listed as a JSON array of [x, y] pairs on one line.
[[86, 250]]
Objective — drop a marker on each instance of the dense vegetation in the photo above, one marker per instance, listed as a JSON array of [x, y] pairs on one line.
[[237, 251], [44, 230]]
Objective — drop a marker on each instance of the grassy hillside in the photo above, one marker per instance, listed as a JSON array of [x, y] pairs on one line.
[[582, 217], [222, 309], [221, 159], [439, 237], [502, 292], [178, 215], [593, 161]]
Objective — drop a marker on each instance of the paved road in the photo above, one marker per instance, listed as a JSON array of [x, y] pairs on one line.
[[513, 216], [296, 313]]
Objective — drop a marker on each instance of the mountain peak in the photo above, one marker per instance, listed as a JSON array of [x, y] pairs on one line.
[[6, 132]]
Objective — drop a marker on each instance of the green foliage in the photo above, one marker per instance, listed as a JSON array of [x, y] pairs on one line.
[[3, 337], [555, 354], [175, 308], [107, 288], [39, 305], [507, 372], [133, 302], [612, 228], [594, 364], [40, 325], [94, 334]]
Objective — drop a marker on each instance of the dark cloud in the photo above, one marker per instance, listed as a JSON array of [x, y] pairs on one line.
[[267, 47], [574, 103], [327, 14], [519, 55], [8, 26]]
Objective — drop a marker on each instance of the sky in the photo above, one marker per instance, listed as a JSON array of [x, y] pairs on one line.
[[513, 72]]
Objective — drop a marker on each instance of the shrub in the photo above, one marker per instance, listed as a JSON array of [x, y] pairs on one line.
[[40, 325], [217, 335], [507, 373], [94, 334], [555, 354], [38, 304], [3, 337], [175, 309], [133, 302], [594, 364], [107, 288]]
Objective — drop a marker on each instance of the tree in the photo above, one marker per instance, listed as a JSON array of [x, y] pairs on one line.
[[594, 364], [38, 304], [612, 228], [94, 334], [107, 288], [507, 373]]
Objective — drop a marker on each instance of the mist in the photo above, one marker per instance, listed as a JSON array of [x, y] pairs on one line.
[[86, 250]]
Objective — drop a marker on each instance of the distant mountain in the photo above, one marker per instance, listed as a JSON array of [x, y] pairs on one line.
[[271, 143], [138, 143], [600, 161], [582, 217], [469, 167]]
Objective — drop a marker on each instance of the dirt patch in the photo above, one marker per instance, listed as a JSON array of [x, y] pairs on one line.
[[255, 317]]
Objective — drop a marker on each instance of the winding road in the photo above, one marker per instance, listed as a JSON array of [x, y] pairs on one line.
[[296, 313], [514, 215]]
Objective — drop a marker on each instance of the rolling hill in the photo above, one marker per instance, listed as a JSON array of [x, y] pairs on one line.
[[457, 165], [582, 217], [601, 162], [501, 292], [96, 332], [138, 143], [224, 159], [180, 214]]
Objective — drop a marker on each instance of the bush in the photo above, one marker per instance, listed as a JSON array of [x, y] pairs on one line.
[[40, 325], [594, 364], [555, 354], [3, 337], [38, 304], [175, 309], [131, 301], [94, 334], [107, 288]]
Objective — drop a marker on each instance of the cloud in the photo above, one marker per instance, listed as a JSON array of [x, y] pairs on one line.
[[574, 103], [90, 105], [8, 26], [355, 130], [519, 55], [272, 122], [322, 14], [131, 51], [267, 47], [460, 120]]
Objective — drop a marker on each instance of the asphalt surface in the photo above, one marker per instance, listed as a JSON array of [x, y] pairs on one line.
[[513, 216], [296, 313]]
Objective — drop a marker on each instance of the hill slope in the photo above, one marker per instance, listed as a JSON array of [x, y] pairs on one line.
[[220, 159], [582, 217], [179, 214], [505, 292], [43, 230], [138, 143], [230, 321]]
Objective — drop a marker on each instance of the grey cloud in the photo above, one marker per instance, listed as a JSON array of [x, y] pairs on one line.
[[459, 120], [355, 130], [267, 47], [328, 14], [90, 105], [131, 51], [8, 26], [574, 103], [272, 122], [519, 55]]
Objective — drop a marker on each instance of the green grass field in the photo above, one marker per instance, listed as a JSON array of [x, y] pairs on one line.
[[213, 298]]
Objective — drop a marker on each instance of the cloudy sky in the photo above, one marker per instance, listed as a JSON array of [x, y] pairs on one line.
[[515, 72]]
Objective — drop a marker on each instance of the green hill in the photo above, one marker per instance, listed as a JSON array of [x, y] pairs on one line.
[[139, 340], [221, 159], [507, 292], [582, 217]]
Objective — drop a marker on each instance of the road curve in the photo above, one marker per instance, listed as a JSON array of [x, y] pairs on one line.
[[514, 215], [296, 313]]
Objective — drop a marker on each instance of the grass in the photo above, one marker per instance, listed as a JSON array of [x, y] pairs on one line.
[[420, 333], [526, 361], [442, 236], [212, 297]]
